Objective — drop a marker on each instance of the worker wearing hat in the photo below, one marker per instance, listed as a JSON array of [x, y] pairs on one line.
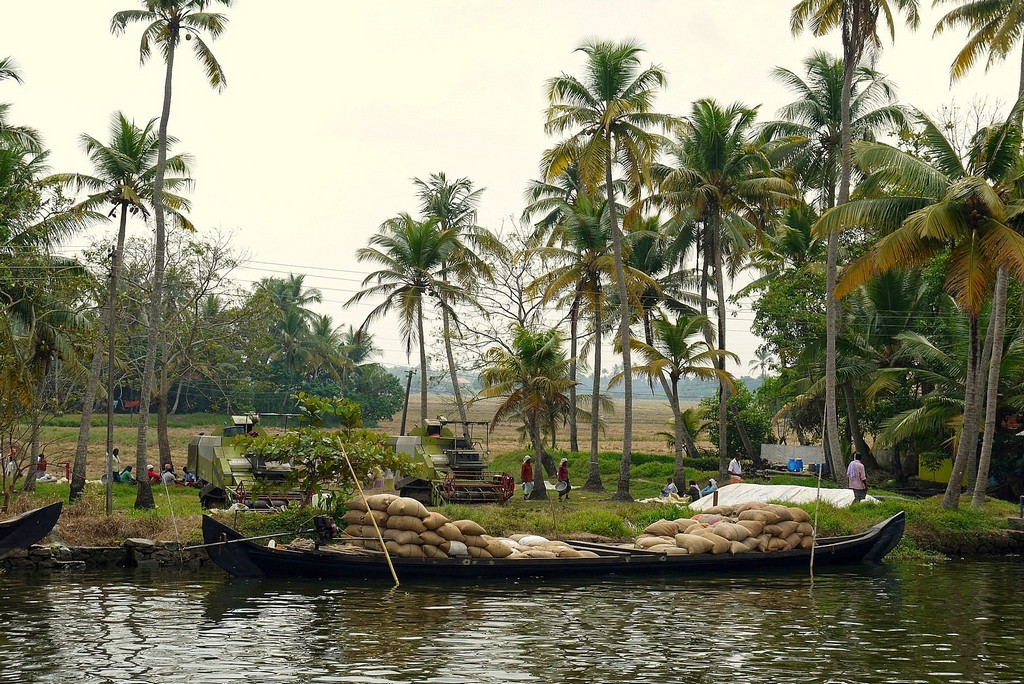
[[563, 476], [526, 476]]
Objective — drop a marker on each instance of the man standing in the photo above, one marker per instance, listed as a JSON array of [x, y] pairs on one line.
[[858, 479], [735, 471]]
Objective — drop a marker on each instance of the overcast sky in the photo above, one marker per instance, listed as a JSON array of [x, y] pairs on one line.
[[332, 107]]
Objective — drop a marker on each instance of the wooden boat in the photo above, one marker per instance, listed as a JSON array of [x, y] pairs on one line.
[[242, 557], [22, 531]]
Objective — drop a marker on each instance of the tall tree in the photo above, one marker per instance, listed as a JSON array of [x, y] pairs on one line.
[[675, 355], [167, 23], [121, 184], [532, 377], [609, 116], [454, 205], [411, 255], [995, 28], [857, 21], [726, 180], [943, 203]]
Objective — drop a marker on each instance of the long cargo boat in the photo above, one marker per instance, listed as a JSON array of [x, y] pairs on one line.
[[242, 557], [22, 531]]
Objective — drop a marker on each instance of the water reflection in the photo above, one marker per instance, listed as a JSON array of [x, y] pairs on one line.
[[958, 622]]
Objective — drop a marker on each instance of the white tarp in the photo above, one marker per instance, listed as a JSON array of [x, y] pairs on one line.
[[733, 494]]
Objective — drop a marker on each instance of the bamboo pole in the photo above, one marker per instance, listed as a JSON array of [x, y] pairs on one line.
[[383, 545], [814, 531]]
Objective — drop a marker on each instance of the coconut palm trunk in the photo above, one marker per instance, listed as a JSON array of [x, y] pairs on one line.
[[969, 430], [853, 424], [37, 414], [452, 370], [574, 324], [622, 489], [723, 389], [594, 483], [144, 493], [423, 362], [992, 393]]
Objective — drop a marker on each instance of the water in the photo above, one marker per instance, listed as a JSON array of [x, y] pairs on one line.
[[951, 622]]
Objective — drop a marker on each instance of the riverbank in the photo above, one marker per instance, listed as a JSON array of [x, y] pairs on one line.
[[86, 537]]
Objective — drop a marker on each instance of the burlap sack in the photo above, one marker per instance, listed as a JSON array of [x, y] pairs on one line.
[[646, 541], [799, 514], [662, 528], [434, 520], [431, 538], [353, 531], [475, 540], [776, 544], [793, 541], [732, 531], [721, 509], [773, 531], [380, 502], [755, 527], [752, 543], [787, 527], [738, 547], [535, 553], [353, 516], [669, 550], [693, 544], [410, 551], [806, 542], [684, 524], [406, 506], [432, 551], [767, 517], [406, 522], [781, 511], [403, 537], [356, 503], [720, 544], [479, 552], [588, 554], [763, 541], [497, 549], [750, 506], [380, 516], [450, 532], [530, 539], [469, 527], [372, 545], [567, 552], [804, 529]]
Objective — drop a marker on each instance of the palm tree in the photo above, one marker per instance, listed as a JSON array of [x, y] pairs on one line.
[[808, 136], [726, 181], [412, 255], [941, 204], [25, 138], [857, 22], [761, 362], [995, 28], [167, 22], [122, 184], [454, 205], [584, 232], [533, 378], [608, 116], [675, 355]]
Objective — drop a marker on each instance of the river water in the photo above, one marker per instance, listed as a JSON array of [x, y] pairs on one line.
[[947, 622]]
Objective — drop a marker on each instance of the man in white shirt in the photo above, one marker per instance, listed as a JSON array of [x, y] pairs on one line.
[[735, 470]]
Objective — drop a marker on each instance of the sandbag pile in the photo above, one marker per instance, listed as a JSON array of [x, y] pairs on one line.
[[411, 531], [744, 528]]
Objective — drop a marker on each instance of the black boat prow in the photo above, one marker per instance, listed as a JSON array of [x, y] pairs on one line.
[[241, 557], [22, 531]]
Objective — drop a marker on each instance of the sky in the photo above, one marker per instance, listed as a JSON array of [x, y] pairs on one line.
[[332, 107]]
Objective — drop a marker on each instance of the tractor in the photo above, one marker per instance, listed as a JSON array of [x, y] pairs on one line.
[[446, 468], [227, 476]]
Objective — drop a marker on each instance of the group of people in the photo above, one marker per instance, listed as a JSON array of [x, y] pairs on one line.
[[562, 485], [165, 476]]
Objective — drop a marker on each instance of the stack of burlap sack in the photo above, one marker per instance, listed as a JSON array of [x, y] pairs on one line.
[[411, 531], [752, 526]]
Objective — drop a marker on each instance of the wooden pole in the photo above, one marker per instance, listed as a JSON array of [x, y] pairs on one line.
[[814, 531], [383, 545]]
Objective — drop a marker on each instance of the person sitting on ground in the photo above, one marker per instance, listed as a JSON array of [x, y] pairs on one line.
[[694, 491], [188, 479], [125, 476], [168, 475], [711, 488], [735, 470], [563, 476], [115, 456], [669, 489], [152, 475], [41, 465]]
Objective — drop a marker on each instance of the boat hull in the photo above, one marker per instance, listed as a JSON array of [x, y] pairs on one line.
[[243, 558], [22, 531]]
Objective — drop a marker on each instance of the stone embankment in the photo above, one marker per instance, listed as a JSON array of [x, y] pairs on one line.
[[133, 553], [988, 543]]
